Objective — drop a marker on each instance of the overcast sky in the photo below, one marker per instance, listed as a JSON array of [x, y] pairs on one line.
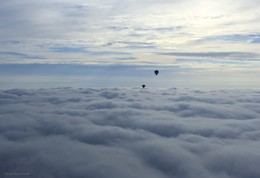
[[195, 43]]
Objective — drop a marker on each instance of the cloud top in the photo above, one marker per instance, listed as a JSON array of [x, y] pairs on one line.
[[120, 132]]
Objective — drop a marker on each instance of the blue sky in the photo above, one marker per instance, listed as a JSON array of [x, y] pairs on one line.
[[194, 43]]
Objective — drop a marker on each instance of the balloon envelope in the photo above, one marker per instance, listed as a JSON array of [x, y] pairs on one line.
[[156, 72], [143, 86]]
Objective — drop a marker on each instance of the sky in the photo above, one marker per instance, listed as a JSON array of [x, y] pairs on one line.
[[112, 43], [130, 133]]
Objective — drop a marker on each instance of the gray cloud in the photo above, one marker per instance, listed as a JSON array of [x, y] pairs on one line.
[[237, 55], [84, 50], [137, 27], [218, 56], [20, 55], [118, 132], [249, 38], [132, 44]]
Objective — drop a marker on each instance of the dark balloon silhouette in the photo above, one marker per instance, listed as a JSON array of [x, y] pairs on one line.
[[156, 72], [143, 86]]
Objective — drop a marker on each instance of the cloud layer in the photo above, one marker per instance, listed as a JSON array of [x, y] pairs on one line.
[[130, 133], [46, 29], [199, 37]]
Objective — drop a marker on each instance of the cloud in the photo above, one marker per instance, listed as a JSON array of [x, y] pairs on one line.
[[248, 38], [135, 27], [20, 55], [126, 58], [69, 49], [123, 132], [132, 44], [84, 50], [231, 55]]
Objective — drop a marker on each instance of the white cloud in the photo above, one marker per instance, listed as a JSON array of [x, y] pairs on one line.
[[215, 41], [118, 132], [148, 25]]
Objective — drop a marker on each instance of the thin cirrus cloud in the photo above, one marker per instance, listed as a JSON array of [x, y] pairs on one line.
[[66, 132]]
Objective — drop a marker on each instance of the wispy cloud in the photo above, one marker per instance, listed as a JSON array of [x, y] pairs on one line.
[[248, 38], [20, 55], [215, 55], [84, 50], [69, 49], [101, 32]]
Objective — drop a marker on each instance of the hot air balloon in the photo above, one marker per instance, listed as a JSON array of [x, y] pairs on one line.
[[143, 85], [156, 72]]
